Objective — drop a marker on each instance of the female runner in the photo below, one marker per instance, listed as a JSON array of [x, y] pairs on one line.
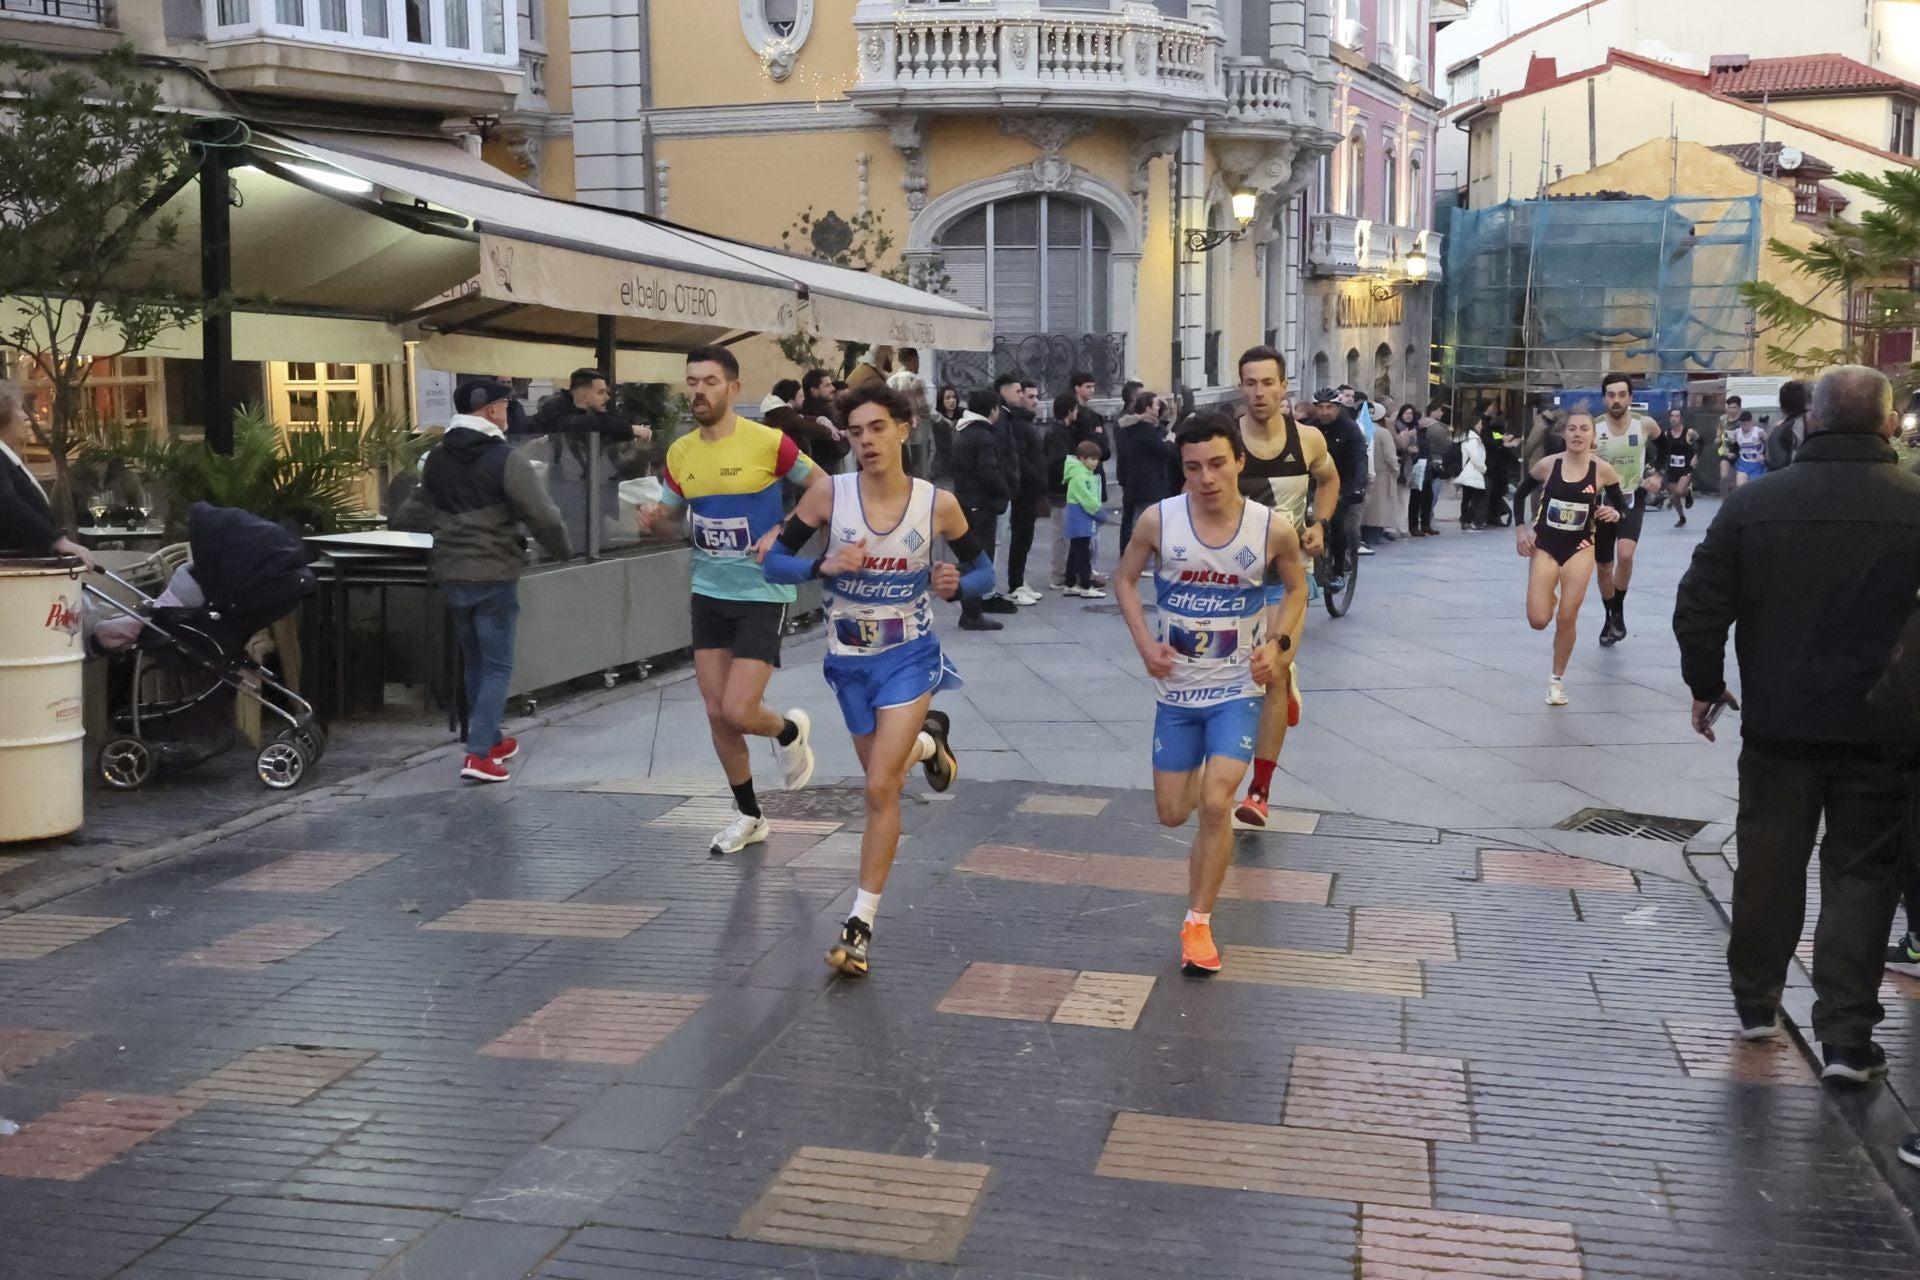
[[1577, 489], [883, 660]]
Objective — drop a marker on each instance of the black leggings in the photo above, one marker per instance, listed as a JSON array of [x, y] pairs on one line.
[[1080, 562], [1420, 509], [1026, 513], [982, 523], [1472, 506]]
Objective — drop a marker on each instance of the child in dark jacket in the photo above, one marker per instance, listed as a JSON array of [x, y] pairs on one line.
[[1084, 515]]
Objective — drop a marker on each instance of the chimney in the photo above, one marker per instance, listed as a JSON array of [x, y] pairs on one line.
[[1542, 72], [1728, 62]]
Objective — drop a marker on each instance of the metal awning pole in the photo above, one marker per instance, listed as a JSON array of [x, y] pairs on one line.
[[216, 283]]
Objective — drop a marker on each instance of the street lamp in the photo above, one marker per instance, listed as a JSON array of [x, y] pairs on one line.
[[1416, 268], [1204, 241]]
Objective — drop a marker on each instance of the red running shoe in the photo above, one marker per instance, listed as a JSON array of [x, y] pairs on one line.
[[483, 769], [504, 750]]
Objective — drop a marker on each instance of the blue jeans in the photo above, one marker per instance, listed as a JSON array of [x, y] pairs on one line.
[[484, 617]]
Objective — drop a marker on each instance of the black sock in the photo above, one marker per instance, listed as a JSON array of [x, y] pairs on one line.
[[788, 732], [743, 798], [1620, 606]]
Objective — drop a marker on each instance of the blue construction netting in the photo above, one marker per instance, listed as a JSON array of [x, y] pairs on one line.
[[1546, 294]]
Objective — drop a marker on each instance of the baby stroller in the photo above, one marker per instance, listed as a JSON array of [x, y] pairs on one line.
[[174, 694]]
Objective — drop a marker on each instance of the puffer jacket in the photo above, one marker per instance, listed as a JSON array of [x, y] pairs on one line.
[[475, 493]]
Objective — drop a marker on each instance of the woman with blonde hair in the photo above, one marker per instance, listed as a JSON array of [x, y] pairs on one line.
[[1578, 491]]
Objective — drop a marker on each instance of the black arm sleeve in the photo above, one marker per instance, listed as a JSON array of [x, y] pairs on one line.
[[966, 548], [1527, 486], [1615, 498], [795, 534]]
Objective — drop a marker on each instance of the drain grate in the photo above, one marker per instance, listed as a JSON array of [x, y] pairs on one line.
[[1635, 826]]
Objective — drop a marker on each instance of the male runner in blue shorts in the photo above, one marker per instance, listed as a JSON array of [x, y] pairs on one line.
[[883, 658], [1217, 644]]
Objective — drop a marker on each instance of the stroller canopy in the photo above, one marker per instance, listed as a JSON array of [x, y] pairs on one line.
[[244, 564]]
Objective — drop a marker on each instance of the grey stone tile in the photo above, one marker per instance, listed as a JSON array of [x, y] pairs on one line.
[[467, 1249]]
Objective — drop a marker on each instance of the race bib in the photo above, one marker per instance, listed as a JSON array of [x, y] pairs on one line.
[[722, 536], [870, 633], [1202, 644], [1570, 517]]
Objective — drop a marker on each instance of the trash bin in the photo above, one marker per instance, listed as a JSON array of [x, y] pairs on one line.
[[42, 729]]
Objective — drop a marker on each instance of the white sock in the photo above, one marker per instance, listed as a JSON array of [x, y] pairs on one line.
[[922, 749], [1557, 678], [1199, 917], [865, 905]]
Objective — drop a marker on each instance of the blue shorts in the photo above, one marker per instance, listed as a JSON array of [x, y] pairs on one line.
[[1751, 470], [895, 678], [1184, 738]]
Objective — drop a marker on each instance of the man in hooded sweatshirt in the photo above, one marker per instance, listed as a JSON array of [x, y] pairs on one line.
[[475, 493]]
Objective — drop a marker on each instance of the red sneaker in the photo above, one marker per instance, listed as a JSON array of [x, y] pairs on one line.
[[483, 769], [507, 748], [1198, 955], [1252, 811]]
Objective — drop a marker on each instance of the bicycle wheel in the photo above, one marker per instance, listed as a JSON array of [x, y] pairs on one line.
[[1339, 596]]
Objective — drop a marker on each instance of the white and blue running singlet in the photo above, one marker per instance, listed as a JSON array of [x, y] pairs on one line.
[[886, 604], [1212, 605]]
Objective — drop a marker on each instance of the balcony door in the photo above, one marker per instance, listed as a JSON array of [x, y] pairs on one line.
[[1041, 266]]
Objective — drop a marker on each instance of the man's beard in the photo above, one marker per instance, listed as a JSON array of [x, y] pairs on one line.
[[707, 415]]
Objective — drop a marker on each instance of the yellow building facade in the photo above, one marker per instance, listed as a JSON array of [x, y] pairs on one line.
[[1071, 168]]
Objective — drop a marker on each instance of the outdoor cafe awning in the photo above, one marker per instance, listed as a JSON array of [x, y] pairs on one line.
[[345, 231]]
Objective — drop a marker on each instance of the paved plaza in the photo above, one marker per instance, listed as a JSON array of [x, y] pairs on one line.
[[410, 1030]]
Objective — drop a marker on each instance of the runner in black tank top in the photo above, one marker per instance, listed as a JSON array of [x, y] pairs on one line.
[[1581, 491], [1564, 527], [1298, 478]]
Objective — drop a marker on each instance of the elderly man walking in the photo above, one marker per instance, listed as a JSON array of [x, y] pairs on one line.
[[1816, 569]]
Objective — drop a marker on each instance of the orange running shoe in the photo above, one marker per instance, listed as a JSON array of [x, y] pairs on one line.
[[1252, 811], [1293, 697], [1198, 955]]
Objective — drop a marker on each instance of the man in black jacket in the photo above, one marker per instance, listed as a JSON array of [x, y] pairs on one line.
[[582, 409], [476, 492], [980, 484], [1817, 570], [1022, 438]]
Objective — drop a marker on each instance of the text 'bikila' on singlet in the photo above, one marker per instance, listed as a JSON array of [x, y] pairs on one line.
[[1281, 482]]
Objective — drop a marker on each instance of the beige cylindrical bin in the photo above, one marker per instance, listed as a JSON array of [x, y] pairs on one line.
[[42, 730]]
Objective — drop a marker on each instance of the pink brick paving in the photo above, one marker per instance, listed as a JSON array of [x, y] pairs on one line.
[[258, 946], [1426, 1244], [87, 1133], [587, 1024]]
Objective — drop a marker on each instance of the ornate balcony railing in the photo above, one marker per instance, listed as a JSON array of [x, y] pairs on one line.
[[1047, 358], [981, 57], [91, 12], [1258, 93]]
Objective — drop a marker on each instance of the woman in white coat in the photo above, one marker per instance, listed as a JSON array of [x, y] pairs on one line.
[[1472, 480]]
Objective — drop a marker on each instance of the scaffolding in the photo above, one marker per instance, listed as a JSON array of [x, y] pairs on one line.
[[1548, 295]]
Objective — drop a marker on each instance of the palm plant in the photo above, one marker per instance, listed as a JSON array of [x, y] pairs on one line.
[[302, 478], [1865, 272]]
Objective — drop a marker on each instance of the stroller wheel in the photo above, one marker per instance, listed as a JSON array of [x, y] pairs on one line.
[[312, 741], [126, 764], [281, 763]]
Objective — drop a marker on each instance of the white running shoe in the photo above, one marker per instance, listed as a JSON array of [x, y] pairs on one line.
[[1556, 693], [796, 759], [1093, 593], [1027, 595], [740, 833]]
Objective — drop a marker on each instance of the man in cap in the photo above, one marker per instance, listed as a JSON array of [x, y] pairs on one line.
[[475, 494]]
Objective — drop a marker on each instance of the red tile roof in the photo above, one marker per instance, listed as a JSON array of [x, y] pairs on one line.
[[1813, 75]]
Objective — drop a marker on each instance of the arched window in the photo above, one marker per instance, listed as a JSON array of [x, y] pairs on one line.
[[1357, 174], [1353, 367], [1417, 215], [1390, 190], [781, 16], [1037, 264], [1323, 184], [1383, 374], [1322, 374]]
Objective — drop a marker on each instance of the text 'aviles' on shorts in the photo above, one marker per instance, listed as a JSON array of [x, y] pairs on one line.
[[749, 629], [1184, 738]]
